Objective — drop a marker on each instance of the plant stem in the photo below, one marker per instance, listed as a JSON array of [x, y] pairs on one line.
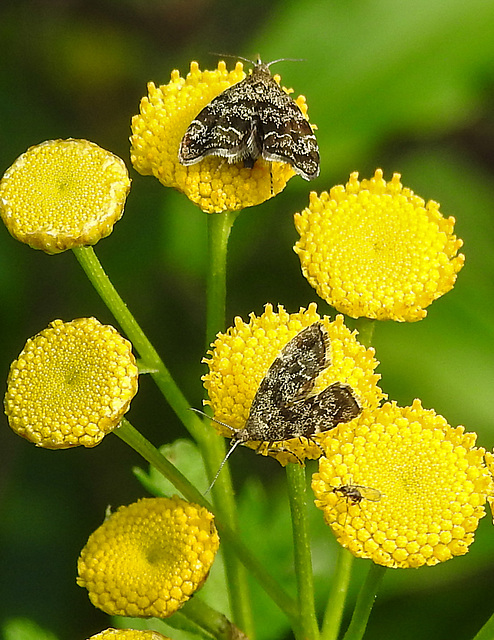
[[365, 602], [174, 396], [219, 228], [308, 628], [138, 442], [211, 620], [338, 594], [487, 631]]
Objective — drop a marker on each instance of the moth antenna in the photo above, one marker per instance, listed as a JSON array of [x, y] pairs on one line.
[[228, 454], [268, 64], [230, 451], [231, 55], [223, 424]]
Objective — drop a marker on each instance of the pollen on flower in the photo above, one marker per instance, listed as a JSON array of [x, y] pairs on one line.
[[148, 558], [424, 486], [240, 358], [127, 634], [63, 194], [375, 249], [213, 184], [71, 384]]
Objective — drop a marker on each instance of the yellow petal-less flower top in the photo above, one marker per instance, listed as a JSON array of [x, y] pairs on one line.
[[148, 558], [375, 249], [63, 194], [402, 487], [240, 358], [71, 384], [213, 184]]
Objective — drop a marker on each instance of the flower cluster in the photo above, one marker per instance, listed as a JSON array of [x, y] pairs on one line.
[[375, 249], [402, 487], [63, 194], [148, 558], [213, 184], [71, 384], [239, 360]]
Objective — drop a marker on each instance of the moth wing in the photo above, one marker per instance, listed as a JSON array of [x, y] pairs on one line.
[[293, 373], [334, 405], [221, 131], [288, 137]]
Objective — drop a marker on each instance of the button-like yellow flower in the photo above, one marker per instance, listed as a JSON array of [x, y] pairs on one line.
[[148, 558], [240, 359], [402, 487], [127, 634], [71, 384], [377, 250], [63, 194], [213, 184]]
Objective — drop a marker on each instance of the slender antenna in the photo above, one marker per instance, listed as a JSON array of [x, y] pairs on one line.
[[229, 452], [223, 424]]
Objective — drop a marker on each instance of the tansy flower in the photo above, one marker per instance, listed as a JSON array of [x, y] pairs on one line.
[[63, 194], [213, 184], [127, 634], [240, 359], [375, 249], [147, 559], [402, 487], [71, 384], [489, 459]]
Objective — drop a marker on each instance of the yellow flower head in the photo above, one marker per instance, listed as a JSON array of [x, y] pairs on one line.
[[240, 359], [71, 384], [489, 460], [213, 184], [402, 487], [127, 634], [375, 249], [147, 559], [63, 194]]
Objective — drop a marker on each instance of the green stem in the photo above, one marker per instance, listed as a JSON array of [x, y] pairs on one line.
[[338, 594], [151, 360], [139, 443], [308, 628], [212, 621], [487, 631], [219, 228], [365, 602]]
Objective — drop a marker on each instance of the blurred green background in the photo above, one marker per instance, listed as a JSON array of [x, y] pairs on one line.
[[405, 86]]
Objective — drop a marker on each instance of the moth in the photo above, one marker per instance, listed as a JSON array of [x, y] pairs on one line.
[[253, 118], [355, 493], [283, 407]]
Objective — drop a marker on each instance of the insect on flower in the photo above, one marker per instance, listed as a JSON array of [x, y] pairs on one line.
[[283, 407], [253, 118]]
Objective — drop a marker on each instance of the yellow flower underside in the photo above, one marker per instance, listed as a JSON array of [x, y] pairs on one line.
[[71, 384], [148, 558], [63, 194], [431, 479], [213, 184], [127, 634], [377, 250], [239, 360]]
